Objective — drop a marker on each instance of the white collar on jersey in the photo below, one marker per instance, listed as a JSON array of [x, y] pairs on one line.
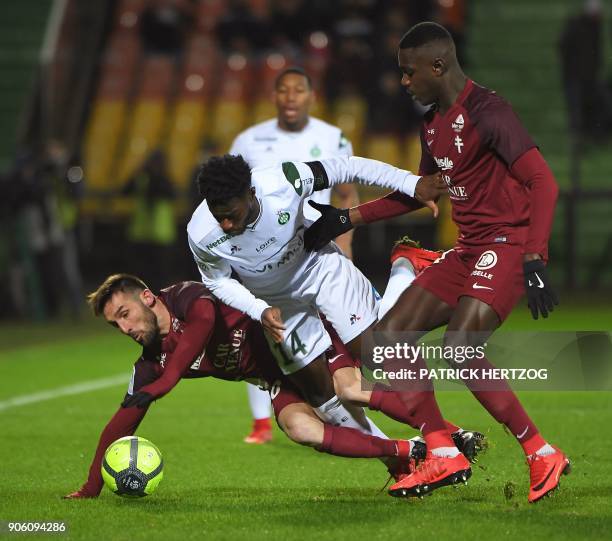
[[252, 225]]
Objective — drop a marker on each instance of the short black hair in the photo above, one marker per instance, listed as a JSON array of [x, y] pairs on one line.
[[126, 283], [222, 178], [423, 33], [292, 69]]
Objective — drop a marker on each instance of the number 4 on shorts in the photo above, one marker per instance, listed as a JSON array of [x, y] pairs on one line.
[[297, 346]]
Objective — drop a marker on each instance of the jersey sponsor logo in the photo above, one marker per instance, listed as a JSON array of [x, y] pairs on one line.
[[354, 319], [292, 248], [283, 217], [228, 356], [459, 144], [198, 361], [482, 274], [235, 249], [444, 163], [265, 244], [216, 243], [456, 192], [487, 260], [458, 124], [431, 131], [177, 325]]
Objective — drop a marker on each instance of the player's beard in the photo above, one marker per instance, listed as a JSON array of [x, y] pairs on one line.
[[151, 332]]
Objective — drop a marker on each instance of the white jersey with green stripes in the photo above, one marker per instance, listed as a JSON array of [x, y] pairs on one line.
[[274, 268]]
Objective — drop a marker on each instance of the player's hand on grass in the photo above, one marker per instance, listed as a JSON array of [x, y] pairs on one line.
[[332, 223], [541, 298], [138, 400], [428, 190], [273, 323], [80, 494]]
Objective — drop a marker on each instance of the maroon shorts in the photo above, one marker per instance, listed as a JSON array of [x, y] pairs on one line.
[[492, 273]]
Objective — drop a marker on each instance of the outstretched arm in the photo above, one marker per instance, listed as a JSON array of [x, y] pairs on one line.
[[334, 222], [123, 423]]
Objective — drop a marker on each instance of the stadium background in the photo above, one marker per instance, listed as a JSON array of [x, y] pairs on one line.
[[87, 94]]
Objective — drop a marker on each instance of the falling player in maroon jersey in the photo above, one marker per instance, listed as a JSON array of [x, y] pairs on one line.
[[503, 196], [186, 333]]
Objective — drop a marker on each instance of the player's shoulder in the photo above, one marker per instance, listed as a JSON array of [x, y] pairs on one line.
[[267, 128], [202, 224], [324, 127], [483, 101], [179, 297]]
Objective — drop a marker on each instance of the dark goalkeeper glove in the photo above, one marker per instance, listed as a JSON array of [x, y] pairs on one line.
[[540, 295], [138, 400], [332, 223]]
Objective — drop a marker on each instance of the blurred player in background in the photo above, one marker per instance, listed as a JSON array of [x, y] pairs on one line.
[[186, 333], [293, 136], [503, 198]]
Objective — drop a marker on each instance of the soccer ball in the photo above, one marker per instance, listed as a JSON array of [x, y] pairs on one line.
[[132, 466]]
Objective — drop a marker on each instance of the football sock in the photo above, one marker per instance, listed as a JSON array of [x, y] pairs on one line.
[[450, 452], [334, 413], [501, 402], [545, 450], [350, 442], [259, 402], [402, 275], [262, 424], [453, 427], [374, 430], [536, 445]]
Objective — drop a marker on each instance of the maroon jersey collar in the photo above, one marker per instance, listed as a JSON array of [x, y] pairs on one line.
[[469, 84]]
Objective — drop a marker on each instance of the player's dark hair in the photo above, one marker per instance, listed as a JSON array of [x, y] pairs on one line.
[[125, 283], [292, 69], [424, 33], [222, 178]]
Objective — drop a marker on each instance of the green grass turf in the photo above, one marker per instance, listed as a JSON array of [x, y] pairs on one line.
[[216, 487]]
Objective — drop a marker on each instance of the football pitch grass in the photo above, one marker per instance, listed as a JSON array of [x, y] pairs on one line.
[[217, 487]]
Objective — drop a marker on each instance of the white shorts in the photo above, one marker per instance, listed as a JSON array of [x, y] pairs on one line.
[[332, 286]]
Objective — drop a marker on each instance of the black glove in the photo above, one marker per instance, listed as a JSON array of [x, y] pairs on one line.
[[332, 223], [540, 295], [139, 400]]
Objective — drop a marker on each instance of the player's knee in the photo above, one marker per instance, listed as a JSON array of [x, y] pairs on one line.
[[304, 430]]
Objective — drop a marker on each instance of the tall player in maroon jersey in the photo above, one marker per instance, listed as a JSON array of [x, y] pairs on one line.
[[503, 196], [186, 333]]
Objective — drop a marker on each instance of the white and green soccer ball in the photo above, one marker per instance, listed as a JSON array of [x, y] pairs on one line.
[[132, 466]]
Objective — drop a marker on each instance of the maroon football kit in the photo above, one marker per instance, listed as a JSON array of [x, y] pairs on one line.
[[502, 195], [206, 339]]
